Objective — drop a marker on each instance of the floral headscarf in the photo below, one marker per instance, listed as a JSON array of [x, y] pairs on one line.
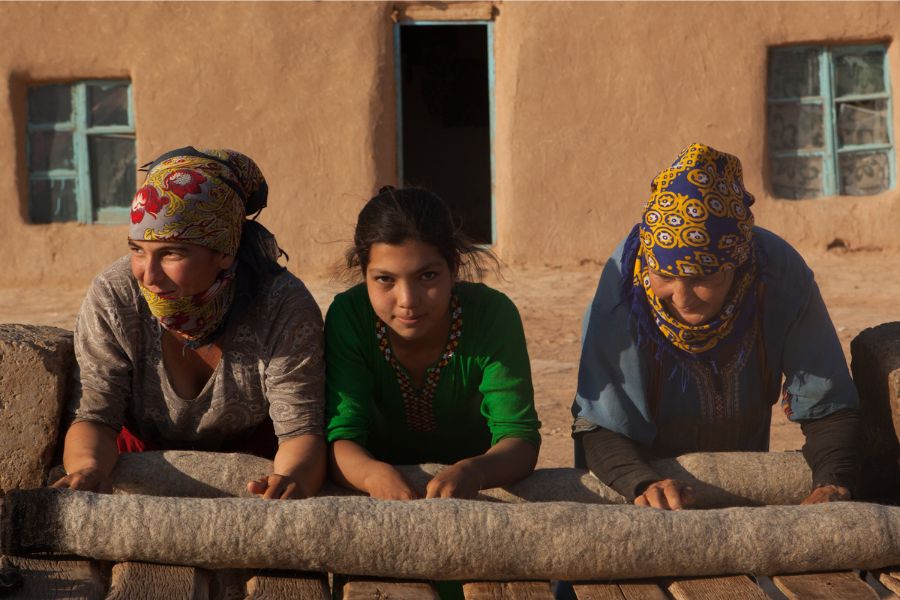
[[697, 223], [199, 197]]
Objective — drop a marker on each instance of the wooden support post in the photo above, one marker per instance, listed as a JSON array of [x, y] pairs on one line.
[[287, 585], [843, 585], [737, 587], [148, 581], [889, 578], [46, 579], [622, 590], [388, 589], [512, 590]]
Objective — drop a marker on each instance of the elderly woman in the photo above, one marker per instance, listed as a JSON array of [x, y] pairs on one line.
[[199, 339], [697, 315]]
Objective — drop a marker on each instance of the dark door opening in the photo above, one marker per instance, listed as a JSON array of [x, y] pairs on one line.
[[445, 118]]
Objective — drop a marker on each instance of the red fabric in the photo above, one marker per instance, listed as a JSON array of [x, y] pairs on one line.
[[262, 441]]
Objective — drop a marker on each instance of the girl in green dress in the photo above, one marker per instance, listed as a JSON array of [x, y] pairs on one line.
[[422, 366]]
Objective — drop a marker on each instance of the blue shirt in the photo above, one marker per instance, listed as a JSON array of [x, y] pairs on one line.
[[672, 404]]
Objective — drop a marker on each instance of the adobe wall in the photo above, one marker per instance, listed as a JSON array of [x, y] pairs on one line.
[[592, 99]]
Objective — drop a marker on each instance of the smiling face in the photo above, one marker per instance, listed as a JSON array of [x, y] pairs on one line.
[[409, 286], [692, 300], [175, 269]]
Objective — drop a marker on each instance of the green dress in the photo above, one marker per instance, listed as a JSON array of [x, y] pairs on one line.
[[478, 393]]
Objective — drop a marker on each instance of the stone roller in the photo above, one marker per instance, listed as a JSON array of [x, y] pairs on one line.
[[451, 539], [719, 479]]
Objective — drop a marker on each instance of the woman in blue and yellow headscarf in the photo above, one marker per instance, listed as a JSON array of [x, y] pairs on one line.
[[199, 339], [697, 316]]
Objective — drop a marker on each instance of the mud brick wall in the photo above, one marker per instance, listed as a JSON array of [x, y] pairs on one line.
[[35, 365]]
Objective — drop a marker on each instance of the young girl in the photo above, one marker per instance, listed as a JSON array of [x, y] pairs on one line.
[[423, 367], [199, 339]]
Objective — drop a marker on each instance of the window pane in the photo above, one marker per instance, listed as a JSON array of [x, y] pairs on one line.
[[50, 104], [864, 173], [794, 73], [860, 72], [112, 170], [52, 201], [51, 150], [108, 104], [796, 126], [862, 122], [797, 177]]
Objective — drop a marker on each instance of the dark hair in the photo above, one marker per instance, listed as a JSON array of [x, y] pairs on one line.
[[397, 215]]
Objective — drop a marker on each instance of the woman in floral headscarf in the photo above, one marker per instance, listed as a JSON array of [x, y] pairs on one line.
[[199, 339], [697, 315]]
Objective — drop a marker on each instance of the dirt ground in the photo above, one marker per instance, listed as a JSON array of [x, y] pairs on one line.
[[860, 289]]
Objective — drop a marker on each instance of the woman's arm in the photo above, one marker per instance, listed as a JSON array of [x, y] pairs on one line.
[[89, 456], [299, 469], [354, 467], [832, 452], [506, 462]]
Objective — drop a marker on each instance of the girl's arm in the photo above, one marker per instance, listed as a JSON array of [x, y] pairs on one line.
[[506, 462], [354, 467], [299, 469], [89, 456]]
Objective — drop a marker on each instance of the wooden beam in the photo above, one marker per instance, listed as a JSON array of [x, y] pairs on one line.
[[843, 585], [443, 11], [288, 585], [737, 587], [622, 590], [148, 581], [512, 590], [45, 579], [386, 589], [889, 578]]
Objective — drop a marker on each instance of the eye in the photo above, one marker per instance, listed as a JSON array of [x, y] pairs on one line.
[[384, 279], [428, 275]]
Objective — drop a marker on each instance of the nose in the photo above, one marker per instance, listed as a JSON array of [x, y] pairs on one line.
[[682, 293], [153, 277], [406, 295]]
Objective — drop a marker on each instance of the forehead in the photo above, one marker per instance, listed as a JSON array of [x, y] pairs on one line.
[[157, 246], [409, 257]]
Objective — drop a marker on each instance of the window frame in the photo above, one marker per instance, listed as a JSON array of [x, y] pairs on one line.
[[398, 79], [831, 153], [78, 126]]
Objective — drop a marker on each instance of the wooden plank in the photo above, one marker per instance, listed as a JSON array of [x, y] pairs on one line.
[[57, 578], [843, 585], [512, 590], [148, 581], [889, 578], [387, 589], [630, 590], [287, 585], [444, 11], [737, 587]]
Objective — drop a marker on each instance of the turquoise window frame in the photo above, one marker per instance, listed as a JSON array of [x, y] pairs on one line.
[[830, 154], [398, 74], [80, 129]]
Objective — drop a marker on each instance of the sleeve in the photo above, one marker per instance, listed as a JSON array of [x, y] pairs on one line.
[[104, 366], [617, 462], [832, 449], [295, 372], [507, 391], [350, 383], [612, 374], [817, 381]]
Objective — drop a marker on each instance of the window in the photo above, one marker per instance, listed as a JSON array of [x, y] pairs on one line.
[[81, 157], [829, 121], [445, 116]]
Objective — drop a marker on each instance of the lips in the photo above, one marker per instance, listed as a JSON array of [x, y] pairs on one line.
[[409, 320]]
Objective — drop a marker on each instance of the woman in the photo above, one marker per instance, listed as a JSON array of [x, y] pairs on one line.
[[423, 367], [199, 339], [696, 317]]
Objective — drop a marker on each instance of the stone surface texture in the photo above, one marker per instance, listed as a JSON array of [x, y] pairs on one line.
[[719, 479], [35, 364], [451, 539]]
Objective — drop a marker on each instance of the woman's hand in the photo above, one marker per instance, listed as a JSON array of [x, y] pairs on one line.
[[279, 487], [827, 493], [668, 494], [462, 480], [90, 479], [386, 483]]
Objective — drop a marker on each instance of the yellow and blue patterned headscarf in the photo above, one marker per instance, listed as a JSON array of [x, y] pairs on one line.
[[198, 197], [697, 222]]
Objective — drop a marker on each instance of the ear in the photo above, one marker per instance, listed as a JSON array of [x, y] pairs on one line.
[[226, 260]]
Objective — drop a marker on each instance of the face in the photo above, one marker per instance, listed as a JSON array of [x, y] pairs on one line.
[[692, 300], [174, 269], [409, 286]]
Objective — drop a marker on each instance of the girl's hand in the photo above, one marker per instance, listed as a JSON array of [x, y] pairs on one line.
[[386, 483], [277, 487], [827, 493], [668, 494], [90, 479], [462, 480]]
